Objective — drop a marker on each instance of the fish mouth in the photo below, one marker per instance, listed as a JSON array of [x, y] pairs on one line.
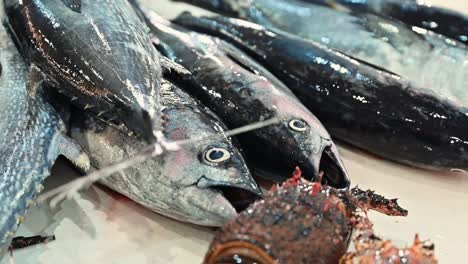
[[239, 194], [334, 172], [215, 205], [239, 198]]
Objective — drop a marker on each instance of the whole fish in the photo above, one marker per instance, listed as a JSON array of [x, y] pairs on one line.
[[206, 183], [417, 13], [31, 139], [358, 103], [241, 91], [427, 59], [96, 52]]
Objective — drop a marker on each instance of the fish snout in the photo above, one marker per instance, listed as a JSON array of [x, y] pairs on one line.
[[239, 194], [205, 207], [314, 152], [333, 169]]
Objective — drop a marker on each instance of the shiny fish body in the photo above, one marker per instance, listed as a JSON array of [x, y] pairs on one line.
[[357, 103], [241, 91], [427, 59], [31, 139], [96, 52], [417, 13], [186, 185]]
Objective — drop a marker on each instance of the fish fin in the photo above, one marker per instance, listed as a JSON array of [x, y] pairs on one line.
[[74, 5], [35, 80], [72, 151], [246, 62], [163, 48], [180, 76], [169, 66]]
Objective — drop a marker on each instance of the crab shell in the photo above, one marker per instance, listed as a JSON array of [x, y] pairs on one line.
[[299, 222], [377, 250]]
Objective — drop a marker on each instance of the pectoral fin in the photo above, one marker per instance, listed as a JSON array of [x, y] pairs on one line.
[[70, 150]]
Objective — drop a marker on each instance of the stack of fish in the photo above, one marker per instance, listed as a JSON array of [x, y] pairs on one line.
[[97, 81]]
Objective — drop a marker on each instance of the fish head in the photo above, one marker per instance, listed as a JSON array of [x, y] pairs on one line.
[[205, 182], [306, 145], [216, 167], [220, 186], [299, 140]]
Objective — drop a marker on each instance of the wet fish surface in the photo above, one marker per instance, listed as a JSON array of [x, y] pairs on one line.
[[417, 13], [427, 59], [205, 183], [358, 103], [32, 138], [241, 92], [95, 52]]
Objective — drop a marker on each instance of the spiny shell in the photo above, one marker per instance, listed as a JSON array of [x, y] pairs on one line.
[[299, 222]]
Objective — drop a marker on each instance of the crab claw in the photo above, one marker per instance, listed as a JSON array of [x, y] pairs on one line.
[[369, 200]]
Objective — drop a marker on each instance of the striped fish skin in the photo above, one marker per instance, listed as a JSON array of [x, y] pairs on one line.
[[205, 183], [417, 13], [31, 139], [241, 91], [427, 59], [95, 52], [358, 103]]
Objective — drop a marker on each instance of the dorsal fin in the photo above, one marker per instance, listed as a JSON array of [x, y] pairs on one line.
[[74, 5]]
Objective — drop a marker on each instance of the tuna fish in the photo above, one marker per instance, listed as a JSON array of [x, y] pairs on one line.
[[31, 139], [417, 13], [206, 183], [95, 52], [241, 91], [427, 59], [358, 103]]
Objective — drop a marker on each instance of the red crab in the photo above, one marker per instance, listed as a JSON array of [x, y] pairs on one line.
[[303, 222]]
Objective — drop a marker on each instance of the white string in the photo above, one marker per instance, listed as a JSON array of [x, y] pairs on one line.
[[71, 189]]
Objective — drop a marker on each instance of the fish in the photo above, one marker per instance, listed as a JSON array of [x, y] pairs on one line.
[[33, 136], [205, 183], [426, 59], [94, 52], [241, 92], [298, 222], [358, 103], [421, 14]]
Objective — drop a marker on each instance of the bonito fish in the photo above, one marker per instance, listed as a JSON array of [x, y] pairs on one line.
[[413, 12], [31, 139], [96, 52], [206, 183], [241, 91], [427, 59], [358, 103]]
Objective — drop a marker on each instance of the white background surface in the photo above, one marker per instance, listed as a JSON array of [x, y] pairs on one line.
[[102, 227]]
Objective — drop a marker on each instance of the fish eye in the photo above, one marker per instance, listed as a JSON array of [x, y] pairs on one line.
[[298, 125], [216, 155]]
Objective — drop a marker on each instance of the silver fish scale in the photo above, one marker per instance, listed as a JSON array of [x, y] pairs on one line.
[[30, 139], [172, 184], [427, 59]]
